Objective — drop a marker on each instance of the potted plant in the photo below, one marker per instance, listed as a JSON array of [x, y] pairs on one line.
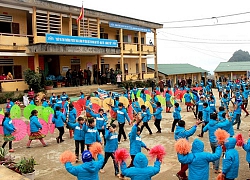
[[26, 167], [33, 79], [48, 84]]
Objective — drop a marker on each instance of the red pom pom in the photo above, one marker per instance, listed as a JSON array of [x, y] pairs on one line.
[[220, 177], [157, 152], [182, 146], [121, 155], [95, 149], [67, 156], [221, 135], [240, 140]]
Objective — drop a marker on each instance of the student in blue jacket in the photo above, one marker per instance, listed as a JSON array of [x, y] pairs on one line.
[[158, 117], [198, 160], [53, 97], [45, 103], [8, 129], [205, 117], [230, 162], [71, 117], [9, 104], [89, 169], [146, 116], [200, 107], [211, 104], [101, 122], [121, 116], [168, 103], [111, 146], [237, 112], [35, 127], [141, 170], [176, 115], [79, 135], [64, 96], [59, 101], [143, 95], [88, 107], [59, 119], [226, 118], [246, 147], [91, 133], [136, 106], [81, 95]]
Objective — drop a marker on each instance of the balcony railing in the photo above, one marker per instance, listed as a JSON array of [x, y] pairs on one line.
[[15, 39], [133, 48]]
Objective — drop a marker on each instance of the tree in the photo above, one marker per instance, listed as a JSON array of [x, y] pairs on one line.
[[33, 79], [240, 56]]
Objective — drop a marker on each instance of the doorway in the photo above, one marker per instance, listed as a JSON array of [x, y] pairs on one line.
[[52, 65]]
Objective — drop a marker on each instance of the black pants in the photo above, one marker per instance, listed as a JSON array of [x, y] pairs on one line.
[[158, 124], [145, 124], [245, 103], [237, 121], [74, 82], [174, 124], [200, 114], [196, 111], [121, 132], [202, 132], [77, 143], [88, 81], [61, 132], [107, 156], [132, 161], [10, 144], [103, 134]]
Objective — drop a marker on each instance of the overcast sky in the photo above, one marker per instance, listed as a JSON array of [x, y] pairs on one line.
[[217, 43]]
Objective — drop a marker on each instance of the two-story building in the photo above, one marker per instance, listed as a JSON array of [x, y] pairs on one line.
[[45, 34]]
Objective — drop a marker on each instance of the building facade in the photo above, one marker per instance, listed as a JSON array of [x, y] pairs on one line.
[[44, 35]]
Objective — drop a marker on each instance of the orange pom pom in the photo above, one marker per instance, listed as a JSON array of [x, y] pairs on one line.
[[220, 177], [95, 149], [221, 135], [182, 146], [67, 156]]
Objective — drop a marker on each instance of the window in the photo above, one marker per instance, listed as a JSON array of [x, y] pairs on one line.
[[137, 41], [137, 68], [75, 61], [127, 38], [104, 36], [126, 68], [5, 27], [143, 67], [74, 30]]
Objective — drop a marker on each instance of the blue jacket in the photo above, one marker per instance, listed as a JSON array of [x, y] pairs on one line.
[[60, 120], [245, 93], [8, 127], [212, 106], [187, 97], [64, 97], [206, 114], [167, 96], [82, 96], [200, 105], [220, 115], [35, 125], [59, 103], [111, 141], [246, 147], [88, 104], [212, 126], [230, 162], [101, 121], [9, 106], [72, 115], [198, 161], [136, 106], [87, 170], [141, 170], [78, 131], [135, 141], [177, 113], [146, 116], [52, 98], [91, 135], [121, 115], [143, 96], [229, 127], [157, 113], [238, 110], [181, 132], [224, 102], [45, 104]]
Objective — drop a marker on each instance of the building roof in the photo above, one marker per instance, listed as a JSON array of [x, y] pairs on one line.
[[174, 69], [233, 66], [74, 10]]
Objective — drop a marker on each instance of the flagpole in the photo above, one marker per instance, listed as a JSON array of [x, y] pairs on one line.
[[83, 19]]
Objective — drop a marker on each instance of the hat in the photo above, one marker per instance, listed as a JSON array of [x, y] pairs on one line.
[[86, 156]]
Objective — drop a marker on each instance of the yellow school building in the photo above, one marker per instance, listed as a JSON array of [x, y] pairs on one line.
[[45, 35]]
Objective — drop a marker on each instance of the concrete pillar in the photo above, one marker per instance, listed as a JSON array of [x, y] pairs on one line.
[[34, 30], [70, 24], [156, 62], [98, 61], [192, 78], [36, 62], [61, 23], [231, 76], [98, 28], [122, 59], [140, 63], [175, 79], [48, 30], [79, 28]]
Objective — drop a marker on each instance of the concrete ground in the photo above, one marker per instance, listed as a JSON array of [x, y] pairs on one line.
[[49, 166]]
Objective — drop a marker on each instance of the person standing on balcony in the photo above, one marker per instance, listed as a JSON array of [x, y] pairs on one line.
[[88, 77]]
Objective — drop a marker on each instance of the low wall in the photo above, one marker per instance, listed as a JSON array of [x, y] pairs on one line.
[[8, 86]]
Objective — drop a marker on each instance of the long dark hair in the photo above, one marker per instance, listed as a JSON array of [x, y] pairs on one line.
[[57, 109], [33, 112], [6, 115]]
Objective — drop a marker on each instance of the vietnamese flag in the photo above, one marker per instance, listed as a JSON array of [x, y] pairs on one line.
[[81, 16]]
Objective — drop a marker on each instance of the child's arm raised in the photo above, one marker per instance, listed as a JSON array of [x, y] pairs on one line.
[[71, 169]]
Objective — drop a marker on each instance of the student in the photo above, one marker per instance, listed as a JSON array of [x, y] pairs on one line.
[[141, 170], [71, 117], [168, 103], [111, 146], [158, 117], [91, 133], [78, 136], [8, 129], [188, 98], [89, 169], [230, 162], [101, 122], [9, 104], [31, 101], [59, 119], [237, 112], [176, 115], [81, 95], [245, 94], [205, 117], [143, 95], [59, 101], [35, 127], [211, 104], [121, 116], [64, 96], [88, 107], [146, 116], [198, 160], [136, 106], [45, 103], [200, 107], [53, 97], [225, 101]]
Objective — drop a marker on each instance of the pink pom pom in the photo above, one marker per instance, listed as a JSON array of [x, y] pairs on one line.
[[182, 146], [157, 152], [240, 140], [220, 177], [221, 135], [121, 155], [95, 149], [67, 156]]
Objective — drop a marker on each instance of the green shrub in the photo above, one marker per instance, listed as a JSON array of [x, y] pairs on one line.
[[33, 79], [138, 84], [14, 96]]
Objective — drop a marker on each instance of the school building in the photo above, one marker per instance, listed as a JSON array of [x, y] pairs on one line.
[[45, 35], [176, 72], [232, 71]]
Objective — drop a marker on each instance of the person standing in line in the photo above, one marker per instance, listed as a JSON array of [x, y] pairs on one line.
[[119, 79], [88, 77]]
